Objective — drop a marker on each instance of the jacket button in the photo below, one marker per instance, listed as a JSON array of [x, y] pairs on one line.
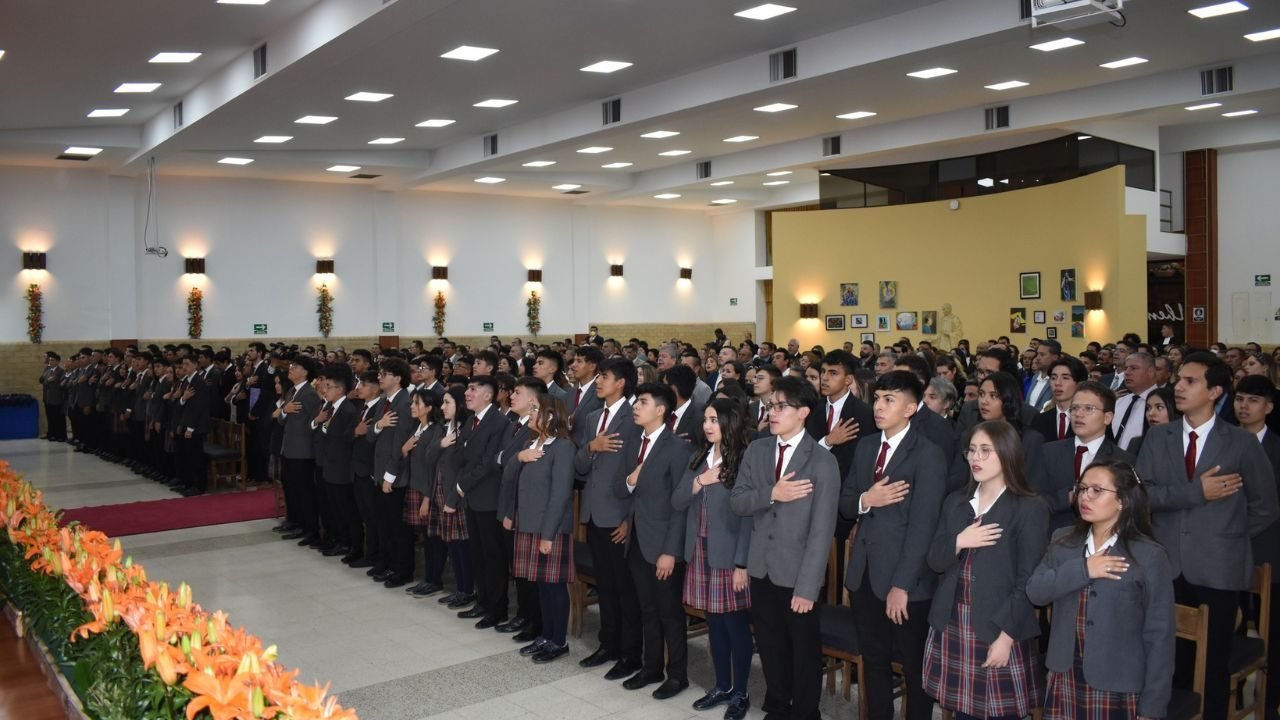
[[1093, 593], [1088, 623]]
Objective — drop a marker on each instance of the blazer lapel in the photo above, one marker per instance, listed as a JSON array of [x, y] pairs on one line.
[[800, 457], [901, 454], [624, 412], [1217, 441]]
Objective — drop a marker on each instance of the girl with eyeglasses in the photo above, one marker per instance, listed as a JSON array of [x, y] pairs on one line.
[[1111, 645], [448, 521]]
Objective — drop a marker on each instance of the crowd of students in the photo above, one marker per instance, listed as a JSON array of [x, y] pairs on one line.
[[978, 491]]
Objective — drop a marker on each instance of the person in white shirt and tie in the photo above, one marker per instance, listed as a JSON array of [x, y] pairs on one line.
[[1041, 391], [1054, 423], [1139, 379]]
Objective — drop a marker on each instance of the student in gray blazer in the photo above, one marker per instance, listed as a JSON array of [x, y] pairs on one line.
[[55, 398], [392, 428], [547, 367], [335, 427], [295, 413], [479, 481], [790, 486], [583, 401], [528, 395], [1211, 489], [1111, 646]]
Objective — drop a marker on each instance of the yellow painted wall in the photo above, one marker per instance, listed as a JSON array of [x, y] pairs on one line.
[[970, 258]]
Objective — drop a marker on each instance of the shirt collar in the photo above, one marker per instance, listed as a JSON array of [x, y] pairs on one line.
[[1202, 431], [298, 386], [392, 396], [1093, 445], [838, 403], [679, 412], [973, 501], [792, 441], [613, 409], [1262, 434], [653, 436], [339, 402], [480, 415], [714, 459], [1089, 550], [896, 440]]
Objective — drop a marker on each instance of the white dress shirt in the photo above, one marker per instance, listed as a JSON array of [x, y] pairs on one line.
[[894, 442], [834, 407], [1091, 450], [653, 440], [973, 501], [1202, 434], [1133, 428], [1110, 542]]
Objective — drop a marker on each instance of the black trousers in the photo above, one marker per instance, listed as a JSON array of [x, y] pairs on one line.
[[192, 469], [366, 495], [75, 416], [395, 539], [620, 633], [344, 526], [258, 448], [490, 563], [790, 647], [662, 620], [1222, 620], [299, 493], [882, 642], [55, 417], [1271, 702], [137, 441], [527, 593], [321, 494]]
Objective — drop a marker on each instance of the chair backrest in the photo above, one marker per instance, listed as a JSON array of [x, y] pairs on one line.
[[1262, 588], [1192, 624], [831, 574]]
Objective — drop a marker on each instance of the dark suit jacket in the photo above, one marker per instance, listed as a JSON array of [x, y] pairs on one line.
[[969, 415], [1046, 423], [789, 541], [656, 525], [599, 471], [511, 469], [267, 392], [388, 443], [690, 425], [893, 541], [582, 430], [1131, 633], [1032, 445], [423, 459], [362, 447], [194, 413], [480, 475], [1208, 542], [853, 409], [937, 430], [337, 443], [299, 439], [728, 534], [1054, 477], [545, 491], [998, 595], [1266, 544]]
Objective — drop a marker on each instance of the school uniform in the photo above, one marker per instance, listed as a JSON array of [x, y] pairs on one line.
[[1053, 424], [55, 398], [583, 402], [480, 480], [260, 427], [450, 528], [527, 611], [823, 417], [1062, 464], [337, 443], [982, 593], [389, 468], [298, 460], [1111, 648], [543, 510], [363, 487], [190, 430], [685, 422], [422, 466], [1266, 549]]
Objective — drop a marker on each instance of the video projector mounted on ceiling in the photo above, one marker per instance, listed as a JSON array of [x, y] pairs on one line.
[[1076, 12]]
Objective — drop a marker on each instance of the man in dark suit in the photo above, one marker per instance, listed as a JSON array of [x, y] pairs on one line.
[[295, 412], [479, 480], [685, 416], [791, 487], [1040, 389], [1211, 489], [212, 375], [584, 401], [1064, 461], [935, 428], [55, 398], [191, 427], [430, 367], [1054, 423], [335, 426], [1131, 410], [655, 553], [262, 404], [895, 490], [363, 487], [392, 428]]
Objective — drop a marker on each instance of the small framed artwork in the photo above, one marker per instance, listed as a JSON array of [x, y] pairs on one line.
[[882, 323], [1077, 313], [907, 321], [1067, 283], [1051, 332], [835, 323], [849, 294], [1017, 320], [929, 322], [857, 321], [888, 294], [1029, 286], [1059, 316], [1038, 317], [1077, 329], [868, 337]]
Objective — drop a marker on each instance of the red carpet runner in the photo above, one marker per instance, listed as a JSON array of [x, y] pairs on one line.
[[158, 515]]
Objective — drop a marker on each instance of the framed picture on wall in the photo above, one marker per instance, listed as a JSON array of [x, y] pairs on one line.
[[1059, 316], [1077, 329], [857, 321], [868, 337], [835, 323], [929, 322], [1067, 283], [1051, 332], [888, 294], [1017, 320], [849, 294], [1077, 313], [907, 321], [1038, 317], [882, 323], [1029, 286]]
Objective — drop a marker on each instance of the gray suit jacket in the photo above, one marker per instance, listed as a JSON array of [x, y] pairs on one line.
[[423, 459], [728, 534], [545, 492], [789, 541], [1208, 542], [701, 393], [299, 439], [599, 471], [580, 413], [518, 439], [1131, 620], [387, 444], [51, 382], [1054, 476], [656, 525]]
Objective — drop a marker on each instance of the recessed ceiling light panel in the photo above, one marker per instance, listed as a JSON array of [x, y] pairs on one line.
[[775, 107], [565, 187], [495, 103], [777, 182], [1007, 85], [1226, 8], [615, 165], [315, 119], [778, 173], [721, 183], [540, 163], [1204, 106], [931, 73], [274, 139], [764, 12], [606, 66], [856, 115], [243, 2], [1059, 44], [78, 150], [1239, 113], [434, 123], [595, 150], [674, 153], [343, 168], [1123, 63], [724, 201], [174, 57], [468, 52], [666, 196], [490, 180], [1256, 37], [108, 112], [742, 138], [235, 161], [386, 141], [660, 134], [137, 87], [365, 96]]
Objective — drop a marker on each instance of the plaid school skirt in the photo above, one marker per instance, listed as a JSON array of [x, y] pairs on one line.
[[412, 502], [449, 527], [554, 567], [1071, 698], [711, 589]]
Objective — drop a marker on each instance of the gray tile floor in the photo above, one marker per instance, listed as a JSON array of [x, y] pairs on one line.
[[387, 655]]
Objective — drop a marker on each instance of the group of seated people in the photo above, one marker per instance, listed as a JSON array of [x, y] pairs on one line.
[[1016, 547]]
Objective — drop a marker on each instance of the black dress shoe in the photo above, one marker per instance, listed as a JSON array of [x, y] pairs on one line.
[[427, 590], [417, 587], [376, 570], [551, 652], [293, 535], [361, 563], [670, 689], [527, 634], [308, 541], [489, 622], [283, 527], [597, 658], [738, 708], [642, 679], [516, 624], [396, 580], [533, 648], [462, 600], [336, 550], [351, 557], [715, 697], [445, 600], [621, 669], [472, 614]]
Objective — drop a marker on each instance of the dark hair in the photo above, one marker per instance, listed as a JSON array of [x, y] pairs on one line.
[[622, 369], [262, 349], [488, 356], [488, 382], [771, 370], [507, 381], [1010, 392], [921, 368], [661, 394], [552, 418], [459, 395], [1074, 367], [554, 357], [369, 377], [1007, 442], [591, 355], [1008, 363], [1107, 395], [1216, 372], [1170, 402], [903, 381], [399, 368], [682, 379], [842, 358], [532, 383], [1256, 385], [432, 401], [796, 390], [1134, 522], [361, 352], [735, 435], [308, 365], [1053, 345], [340, 374]]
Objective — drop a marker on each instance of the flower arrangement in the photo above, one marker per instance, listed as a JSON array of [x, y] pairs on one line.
[[437, 320], [129, 646], [35, 313], [533, 313], [325, 310], [195, 313]]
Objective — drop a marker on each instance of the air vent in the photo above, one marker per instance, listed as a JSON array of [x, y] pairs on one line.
[[81, 158], [831, 146], [177, 115], [1217, 80], [782, 65], [611, 111], [490, 145], [704, 169], [575, 192], [1024, 9], [997, 117], [363, 176], [259, 61]]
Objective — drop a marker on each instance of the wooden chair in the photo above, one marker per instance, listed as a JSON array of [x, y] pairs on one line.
[[1249, 654], [225, 450], [579, 598], [1192, 624], [839, 638]]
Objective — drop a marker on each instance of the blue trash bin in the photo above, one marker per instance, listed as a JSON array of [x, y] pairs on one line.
[[19, 417]]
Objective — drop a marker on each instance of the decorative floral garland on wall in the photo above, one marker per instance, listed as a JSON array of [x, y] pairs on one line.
[[195, 313], [35, 313], [325, 310], [437, 320], [534, 313]]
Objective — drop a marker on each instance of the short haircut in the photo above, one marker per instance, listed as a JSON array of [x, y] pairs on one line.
[[796, 390], [1216, 372], [553, 356], [771, 370], [946, 389], [1073, 366], [340, 374], [485, 381], [112, 352], [1144, 358], [306, 364], [682, 379], [369, 377], [261, 348], [488, 356], [1102, 391], [1256, 385], [531, 383], [591, 355], [399, 368], [1053, 345], [361, 352], [923, 369], [1008, 364], [842, 358], [904, 381], [205, 353], [504, 381], [661, 395]]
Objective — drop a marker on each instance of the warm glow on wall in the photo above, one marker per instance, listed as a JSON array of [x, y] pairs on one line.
[[34, 241]]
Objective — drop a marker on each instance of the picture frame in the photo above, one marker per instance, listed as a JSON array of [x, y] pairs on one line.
[[1059, 316], [1067, 284], [907, 321], [1037, 317], [1018, 320], [1077, 313], [858, 321], [835, 323], [849, 294], [1029, 286], [867, 337], [929, 322], [882, 323], [1051, 333], [888, 294]]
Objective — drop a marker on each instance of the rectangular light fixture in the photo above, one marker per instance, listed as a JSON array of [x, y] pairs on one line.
[[931, 73], [137, 87], [174, 57], [565, 187], [660, 134], [674, 153], [490, 180], [1240, 113], [434, 123], [1204, 106], [440, 272], [1084, 137], [808, 311], [365, 96], [467, 52], [495, 103], [33, 261], [742, 138], [243, 2], [324, 267], [343, 168], [315, 119], [1093, 300], [721, 183], [235, 161], [856, 115], [615, 271], [539, 163], [386, 141], [766, 11], [606, 66], [1059, 44], [86, 151], [1007, 85], [777, 182], [1264, 35], [1226, 8], [686, 273], [194, 266], [666, 196], [724, 201], [274, 139], [595, 150], [108, 112], [778, 173], [775, 107], [1123, 63], [535, 276], [615, 165], [986, 182]]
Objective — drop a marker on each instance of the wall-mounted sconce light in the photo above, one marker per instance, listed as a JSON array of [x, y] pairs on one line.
[[615, 271], [324, 267], [1093, 300], [808, 311], [535, 276], [33, 261], [686, 273], [194, 266], [440, 272]]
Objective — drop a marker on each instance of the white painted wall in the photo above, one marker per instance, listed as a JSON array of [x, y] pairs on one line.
[[1248, 244]]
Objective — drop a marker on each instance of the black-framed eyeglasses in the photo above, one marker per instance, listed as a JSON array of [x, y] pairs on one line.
[[780, 405], [1092, 491]]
